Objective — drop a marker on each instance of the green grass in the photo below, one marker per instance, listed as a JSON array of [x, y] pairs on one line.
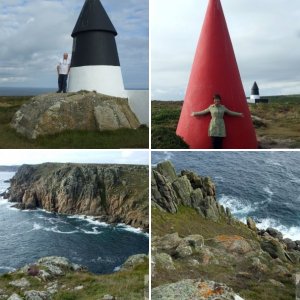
[[122, 138], [282, 117], [226, 267], [125, 285], [187, 221], [165, 116]]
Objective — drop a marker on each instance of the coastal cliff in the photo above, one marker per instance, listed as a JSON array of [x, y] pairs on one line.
[[110, 193], [200, 251]]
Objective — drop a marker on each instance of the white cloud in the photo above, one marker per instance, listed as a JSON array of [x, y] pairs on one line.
[[35, 34], [265, 37]]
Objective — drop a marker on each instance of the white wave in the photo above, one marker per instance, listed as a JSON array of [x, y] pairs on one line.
[[123, 226], [37, 226], [95, 231], [236, 205], [273, 162], [116, 269], [292, 232], [268, 191], [7, 268], [54, 229], [89, 219]]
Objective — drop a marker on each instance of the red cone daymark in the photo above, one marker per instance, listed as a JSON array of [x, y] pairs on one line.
[[215, 71]]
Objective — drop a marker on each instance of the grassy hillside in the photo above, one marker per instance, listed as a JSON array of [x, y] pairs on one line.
[[250, 281], [279, 128], [123, 138]]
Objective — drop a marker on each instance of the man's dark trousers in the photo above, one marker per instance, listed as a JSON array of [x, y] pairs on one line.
[[62, 83]]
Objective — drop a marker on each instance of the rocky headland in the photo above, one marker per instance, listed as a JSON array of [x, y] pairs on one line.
[[200, 251], [110, 193], [55, 113], [57, 278]]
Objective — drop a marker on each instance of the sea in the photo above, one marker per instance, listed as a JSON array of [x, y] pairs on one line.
[[25, 91], [261, 185], [26, 236]]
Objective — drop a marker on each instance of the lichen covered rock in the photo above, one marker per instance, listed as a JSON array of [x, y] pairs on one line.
[[54, 113]]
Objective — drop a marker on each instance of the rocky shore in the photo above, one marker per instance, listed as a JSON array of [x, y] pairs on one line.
[[110, 193], [200, 251], [52, 278]]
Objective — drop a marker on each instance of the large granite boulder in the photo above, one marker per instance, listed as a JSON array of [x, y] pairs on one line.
[[54, 113]]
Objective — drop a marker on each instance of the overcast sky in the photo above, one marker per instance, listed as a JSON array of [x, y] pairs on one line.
[[265, 36], [35, 34], [19, 157]]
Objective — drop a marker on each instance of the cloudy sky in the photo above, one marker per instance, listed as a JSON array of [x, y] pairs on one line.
[[265, 36], [35, 34], [18, 157]]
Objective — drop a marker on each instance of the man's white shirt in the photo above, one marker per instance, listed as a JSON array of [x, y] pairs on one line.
[[63, 66]]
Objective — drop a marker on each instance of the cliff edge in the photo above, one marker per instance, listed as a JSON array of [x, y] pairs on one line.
[[112, 193], [200, 251]]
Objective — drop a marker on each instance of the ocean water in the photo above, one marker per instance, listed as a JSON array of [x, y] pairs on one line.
[[25, 236], [13, 91], [262, 185]]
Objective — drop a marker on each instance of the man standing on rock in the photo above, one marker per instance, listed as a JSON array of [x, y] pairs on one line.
[[63, 69]]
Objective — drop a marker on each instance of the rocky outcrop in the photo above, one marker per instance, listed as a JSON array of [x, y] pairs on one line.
[[199, 243], [113, 193], [54, 113], [59, 278], [168, 191]]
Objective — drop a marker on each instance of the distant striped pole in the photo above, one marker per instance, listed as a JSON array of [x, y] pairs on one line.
[[95, 64]]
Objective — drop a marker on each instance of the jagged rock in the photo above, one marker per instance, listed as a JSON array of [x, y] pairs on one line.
[[134, 260], [193, 289], [251, 224], [54, 113], [291, 245], [21, 283], [205, 256], [37, 295], [274, 233], [257, 266], [274, 248], [88, 189], [188, 189], [169, 242], [196, 241], [233, 243], [15, 297], [163, 260], [162, 193], [183, 249], [167, 170]]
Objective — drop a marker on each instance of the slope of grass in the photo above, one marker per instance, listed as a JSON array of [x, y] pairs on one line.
[[225, 267], [122, 138], [127, 284]]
